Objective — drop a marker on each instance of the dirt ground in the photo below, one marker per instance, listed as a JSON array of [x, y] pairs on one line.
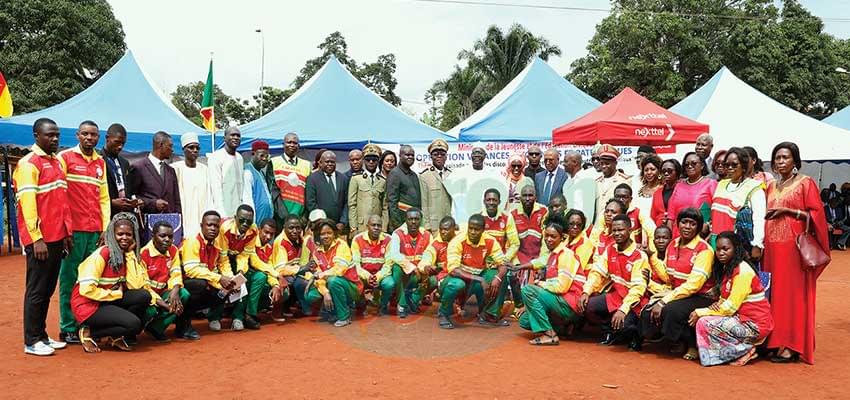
[[384, 358]]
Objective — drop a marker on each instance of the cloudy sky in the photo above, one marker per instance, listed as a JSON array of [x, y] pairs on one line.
[[173, 39]]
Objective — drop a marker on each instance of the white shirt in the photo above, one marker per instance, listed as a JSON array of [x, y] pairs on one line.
[[580, 192], [155, 161], [195, 196], [226, 174]]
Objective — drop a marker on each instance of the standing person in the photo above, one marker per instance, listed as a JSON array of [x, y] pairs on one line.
[[610, 178], [703, 147], [155, 181], [516, 180], [688, 264], [476, 266], [650, 182], [671, 170], [792, 202], [112, 295], [399, 277], [193, 184], [118, 172], [403, 190], [551, 180], [695, 191], [88, 200], [557, 293], [290, 177], [206, 282], [740, 204], [621, 265], [580, 187], [533, 155], [255, 187], [643, 152], [729, 329], [837, 219], [366, 192], [557, 207], [467, 185], [436, 201], [225, 167], [44, 224], [387, 163], [355, 163], [327, 189], [756, 167], [161, 260], [718, 169]]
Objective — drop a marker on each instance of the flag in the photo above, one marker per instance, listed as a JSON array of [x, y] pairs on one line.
[[5, 99], [208, 103]]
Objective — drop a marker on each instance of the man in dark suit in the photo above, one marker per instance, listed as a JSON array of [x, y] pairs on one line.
[[327, 190], [118, 171], [550, 181], [155, 181]]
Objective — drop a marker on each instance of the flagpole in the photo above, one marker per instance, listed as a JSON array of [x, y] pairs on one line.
[[212, 139]]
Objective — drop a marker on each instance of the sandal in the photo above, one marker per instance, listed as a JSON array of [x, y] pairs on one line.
[[120, 344], [545, 340], [487, 322], [794, 357], [692, 354], [743, 360], [86, 341]]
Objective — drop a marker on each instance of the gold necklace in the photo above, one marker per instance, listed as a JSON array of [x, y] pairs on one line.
[[698, 181]]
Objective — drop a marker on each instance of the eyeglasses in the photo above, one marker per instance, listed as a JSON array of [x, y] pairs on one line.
[[535, 154], [244, 220], [731, 165], [516, 165], [692, 163]]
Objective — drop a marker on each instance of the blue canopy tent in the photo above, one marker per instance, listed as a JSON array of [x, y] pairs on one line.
[[840, 118], [335, 111], [125, 95], [527, 109]]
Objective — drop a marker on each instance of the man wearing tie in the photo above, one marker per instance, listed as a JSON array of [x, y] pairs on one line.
[[551, 180], [327, 190], [155, 181]]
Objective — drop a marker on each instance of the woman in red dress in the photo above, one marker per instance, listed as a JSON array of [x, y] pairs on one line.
[[790, 201]]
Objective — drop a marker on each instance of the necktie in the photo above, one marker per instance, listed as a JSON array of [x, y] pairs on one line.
[[547, 187], [331, 182], [162, 168]]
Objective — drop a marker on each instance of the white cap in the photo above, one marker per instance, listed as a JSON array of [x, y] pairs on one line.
[[317, 214], [189, 138]]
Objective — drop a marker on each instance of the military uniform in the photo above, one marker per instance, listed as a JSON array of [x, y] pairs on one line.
[[436, 201], [605, 186], [366, 194]]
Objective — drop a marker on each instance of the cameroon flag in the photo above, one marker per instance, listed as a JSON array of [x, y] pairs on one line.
[[5, 99], [208, 103]]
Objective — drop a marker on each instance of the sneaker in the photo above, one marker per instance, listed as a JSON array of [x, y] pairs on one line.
[[251, 322], [188, 333], [215, 326], [39, 349], [237, 325], [56, 345], [402, 312], [342, 322]]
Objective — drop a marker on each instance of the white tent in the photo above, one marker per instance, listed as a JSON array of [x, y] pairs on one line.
[[740, 115]]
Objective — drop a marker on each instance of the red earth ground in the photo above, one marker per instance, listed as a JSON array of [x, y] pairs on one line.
[[384, 358]]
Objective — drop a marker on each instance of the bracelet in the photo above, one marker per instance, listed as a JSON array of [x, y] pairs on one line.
[[498, 277]]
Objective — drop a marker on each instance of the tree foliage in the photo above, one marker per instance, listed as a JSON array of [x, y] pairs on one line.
[[673, 49], [51, 50], [379, 76], [492, 63], [187, 98]]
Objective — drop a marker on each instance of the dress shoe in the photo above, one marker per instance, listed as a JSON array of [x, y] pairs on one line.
[[189, 333], [636, 344], [69, 337], [607, 339], [251, 322]]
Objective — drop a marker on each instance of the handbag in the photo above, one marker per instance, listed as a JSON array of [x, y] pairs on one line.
[[744, 223], [811, 254]]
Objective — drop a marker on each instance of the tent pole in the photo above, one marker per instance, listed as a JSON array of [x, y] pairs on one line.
[[6, 200]]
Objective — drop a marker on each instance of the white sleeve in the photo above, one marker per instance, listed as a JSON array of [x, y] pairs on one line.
[[216, 183], [247, 185], [759, 206]]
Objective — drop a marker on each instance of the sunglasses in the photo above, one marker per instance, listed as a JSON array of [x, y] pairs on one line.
[[731, 165], [692, 164]]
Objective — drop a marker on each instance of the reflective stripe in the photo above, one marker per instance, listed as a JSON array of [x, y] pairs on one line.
[[471, 270], [754, 297], [617, 279], [157, 285], [530, 232], [84, 179], [372, 260], [731, 212]]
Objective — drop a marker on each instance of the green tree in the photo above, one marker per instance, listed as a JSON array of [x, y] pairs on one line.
[[187, 98], [51, 50], [378, 76], [492, 63], [272, 97]]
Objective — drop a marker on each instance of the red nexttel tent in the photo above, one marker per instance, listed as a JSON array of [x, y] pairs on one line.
[[629, 119]]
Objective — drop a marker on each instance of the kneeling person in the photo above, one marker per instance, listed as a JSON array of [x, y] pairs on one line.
[[368, 253], [161, 260], [206, 282], [400, 275]]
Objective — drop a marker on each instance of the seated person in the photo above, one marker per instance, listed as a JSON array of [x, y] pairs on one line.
[[161, 260], [730, 328], [577, 240], [276, 289], [477, 266], [621, 266], [208, 285], [334, 278], [600, 234], [433, 264], [556, 295], [111, 295], [288, 257], [399, 277], [368, 254]]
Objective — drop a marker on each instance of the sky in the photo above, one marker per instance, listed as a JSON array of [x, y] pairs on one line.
[[173, 40]]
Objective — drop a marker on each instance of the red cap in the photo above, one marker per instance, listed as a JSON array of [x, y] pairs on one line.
[[259, 145]]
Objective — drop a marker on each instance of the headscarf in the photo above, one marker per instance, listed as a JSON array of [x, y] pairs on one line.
[[116, 255], [511, 160]]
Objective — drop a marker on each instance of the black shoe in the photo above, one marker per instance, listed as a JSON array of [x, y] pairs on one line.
[[445, 322], [158, 336], [69, 337], [132, 340], [607, 339], [189, 333], [402, 312], [382, 311], [636, 344], [251, 322]]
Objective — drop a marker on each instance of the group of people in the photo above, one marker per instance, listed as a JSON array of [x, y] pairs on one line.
[[706, 260]]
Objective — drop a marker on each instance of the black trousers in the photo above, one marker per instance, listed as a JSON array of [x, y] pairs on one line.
[[121, 317], [40, 285], [597, 312], [201, 296], [674, 320]]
